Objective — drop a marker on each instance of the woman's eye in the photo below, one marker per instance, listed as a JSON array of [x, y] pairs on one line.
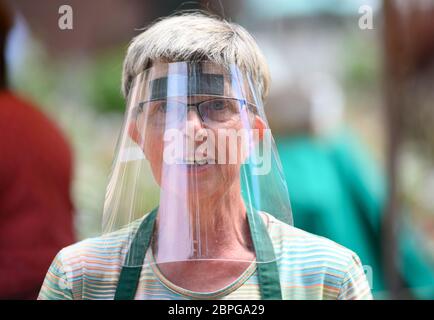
[[218, 105], [162, 107], [139, 108]]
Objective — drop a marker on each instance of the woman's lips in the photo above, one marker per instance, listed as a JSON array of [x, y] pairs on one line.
[[195, 167], [195, 162], [198, 167]]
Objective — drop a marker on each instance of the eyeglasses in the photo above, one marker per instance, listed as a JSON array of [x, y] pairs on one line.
[[213, 112]]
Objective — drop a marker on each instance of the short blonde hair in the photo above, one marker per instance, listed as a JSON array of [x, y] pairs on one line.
[[192, 36]]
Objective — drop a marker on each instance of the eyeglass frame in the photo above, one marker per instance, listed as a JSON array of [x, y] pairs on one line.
[[243, 103]]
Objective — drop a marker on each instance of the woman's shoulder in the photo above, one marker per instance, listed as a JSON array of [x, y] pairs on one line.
[[301, 245], [314, 267], [111, 246], [97, 260]]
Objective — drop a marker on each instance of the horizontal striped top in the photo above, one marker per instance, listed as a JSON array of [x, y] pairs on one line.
[[310, 267]]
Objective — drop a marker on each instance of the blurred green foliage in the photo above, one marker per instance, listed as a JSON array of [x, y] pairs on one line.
[[361, 61], [104, 81]]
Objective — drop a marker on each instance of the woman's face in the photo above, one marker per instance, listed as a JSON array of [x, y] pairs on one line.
[[192, 154], [195, 145]]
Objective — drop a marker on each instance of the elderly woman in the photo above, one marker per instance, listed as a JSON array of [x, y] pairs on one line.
[[220, 225]]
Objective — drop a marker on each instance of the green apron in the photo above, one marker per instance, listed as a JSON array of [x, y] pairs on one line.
[[268, 274]]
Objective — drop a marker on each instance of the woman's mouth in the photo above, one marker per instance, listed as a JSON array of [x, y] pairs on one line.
[[196, 161], [194, 166]]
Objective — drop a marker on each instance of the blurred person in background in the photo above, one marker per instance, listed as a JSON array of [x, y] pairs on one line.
[[36, 211], [337, 189]]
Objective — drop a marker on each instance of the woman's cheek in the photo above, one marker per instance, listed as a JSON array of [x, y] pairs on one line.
[[153, 149]]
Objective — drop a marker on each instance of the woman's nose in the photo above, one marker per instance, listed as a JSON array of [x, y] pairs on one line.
[[193, 118], [193, 127]]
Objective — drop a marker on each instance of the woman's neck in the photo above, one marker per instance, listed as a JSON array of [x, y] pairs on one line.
[[213, 227], [219, 226]]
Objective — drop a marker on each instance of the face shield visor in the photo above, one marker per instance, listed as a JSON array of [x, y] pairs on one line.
[[196, 175]]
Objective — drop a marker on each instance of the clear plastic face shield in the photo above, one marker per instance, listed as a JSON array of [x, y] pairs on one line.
[[196, 166]]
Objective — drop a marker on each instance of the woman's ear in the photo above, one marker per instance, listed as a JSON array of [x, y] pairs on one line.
[[134, 133], [260, 125]]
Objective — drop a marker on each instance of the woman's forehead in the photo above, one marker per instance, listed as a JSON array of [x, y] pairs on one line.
[[164, 69], [164, 80]]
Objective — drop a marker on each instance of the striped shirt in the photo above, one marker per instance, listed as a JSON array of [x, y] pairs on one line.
[[310, 267]]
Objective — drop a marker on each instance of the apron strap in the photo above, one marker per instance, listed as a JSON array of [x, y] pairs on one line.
[[130, 276], [268, 274]]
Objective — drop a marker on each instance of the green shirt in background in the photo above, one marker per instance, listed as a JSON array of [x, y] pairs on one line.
[[337, 191]]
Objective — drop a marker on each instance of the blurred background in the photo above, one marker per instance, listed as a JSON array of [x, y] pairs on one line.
[[351, 108]]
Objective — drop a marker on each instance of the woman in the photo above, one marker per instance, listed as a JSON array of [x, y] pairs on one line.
[[221, 225]]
